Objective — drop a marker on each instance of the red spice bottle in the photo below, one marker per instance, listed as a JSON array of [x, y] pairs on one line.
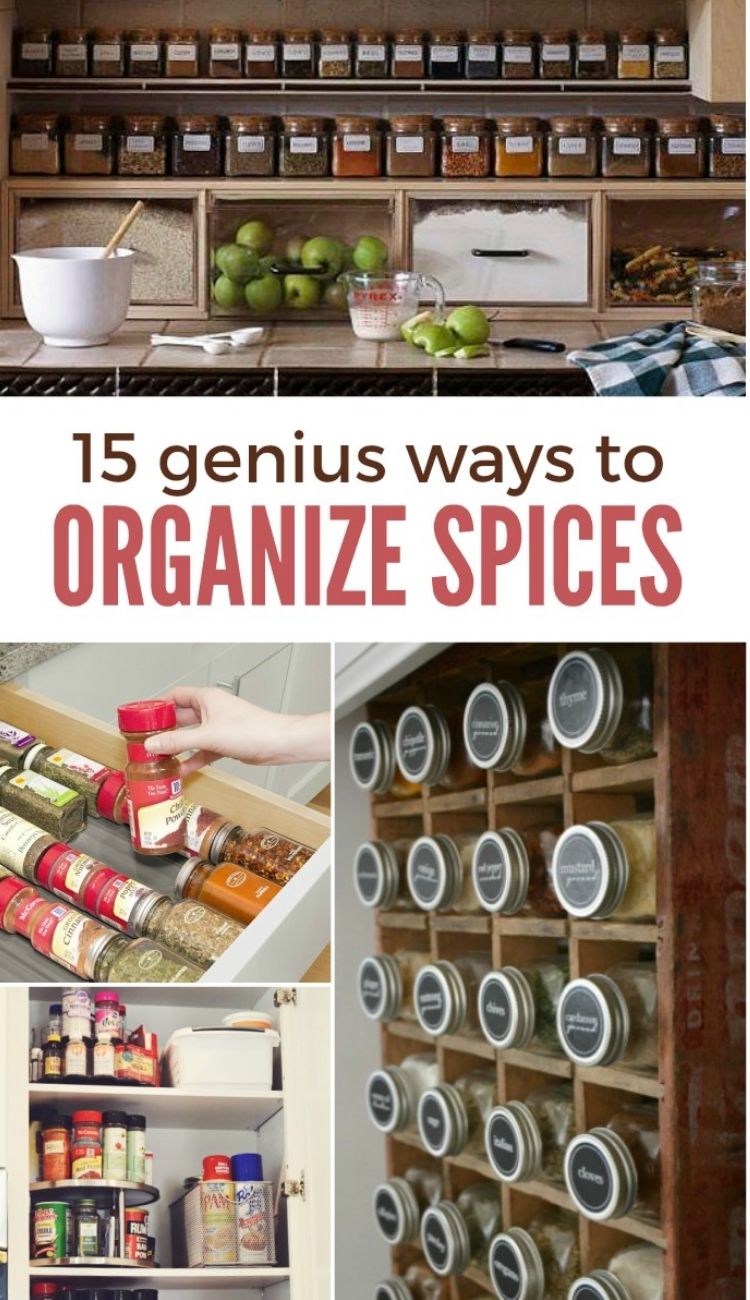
[[155, 801]]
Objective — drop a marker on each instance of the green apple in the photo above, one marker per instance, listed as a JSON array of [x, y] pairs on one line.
[[265, 293], [256, 236], [409, 326], [334, 295], [347, 254], [370, 253], [323, 254], [470, 324], [471, 350], [433, 338], [228, 294], [294, 248], [301, 292], [238, 264]]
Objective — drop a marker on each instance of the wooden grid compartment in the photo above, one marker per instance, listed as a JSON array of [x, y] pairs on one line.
[[695, 786]]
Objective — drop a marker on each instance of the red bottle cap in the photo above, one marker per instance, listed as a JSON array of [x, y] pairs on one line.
[[87, 1117], [107, 795], [44, 1288], [47, 861], [146, 715], [216, 1167]]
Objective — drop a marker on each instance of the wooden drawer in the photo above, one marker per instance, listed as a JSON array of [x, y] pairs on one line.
[[285, 939]]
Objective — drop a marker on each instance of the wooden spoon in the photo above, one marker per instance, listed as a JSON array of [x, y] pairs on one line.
[[123, 228]]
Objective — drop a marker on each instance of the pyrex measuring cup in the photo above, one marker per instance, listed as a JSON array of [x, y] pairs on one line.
[[379, 304]]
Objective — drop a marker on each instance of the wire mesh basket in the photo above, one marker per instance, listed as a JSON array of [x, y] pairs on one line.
[[223, 1223]]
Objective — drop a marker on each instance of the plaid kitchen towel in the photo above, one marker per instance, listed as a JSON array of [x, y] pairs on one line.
[[664, 361]]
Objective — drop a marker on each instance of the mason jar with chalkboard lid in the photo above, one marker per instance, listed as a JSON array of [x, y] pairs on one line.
[[603, 869], [537, 1262], [439, 873], [612, 1019], [456, 1235], [507, 729], [635, 1273], [372, 762], [601, 703], [380, 878], [394, 1288], [451, 1116], [527, 1139], [399, 1203], [446, 994], [393, 1092], [518, 1008], [386, 984], [616, 1170], [430, 748], [512, 871]]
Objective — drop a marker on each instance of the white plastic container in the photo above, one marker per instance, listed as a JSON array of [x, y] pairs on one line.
[[202, 1058], [74, 297]]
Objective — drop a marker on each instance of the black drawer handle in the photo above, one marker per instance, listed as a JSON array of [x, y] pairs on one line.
[[501, 252]]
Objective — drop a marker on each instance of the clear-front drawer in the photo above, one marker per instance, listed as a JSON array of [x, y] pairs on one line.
[[655, 245], [505, 251]]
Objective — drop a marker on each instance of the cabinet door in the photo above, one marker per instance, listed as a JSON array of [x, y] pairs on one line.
[[305, 1026]]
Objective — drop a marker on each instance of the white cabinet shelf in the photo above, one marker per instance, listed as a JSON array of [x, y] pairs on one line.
[[175, 1279], [178, 1108]]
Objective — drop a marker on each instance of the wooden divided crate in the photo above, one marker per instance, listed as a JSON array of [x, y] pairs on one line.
[[695, 785]]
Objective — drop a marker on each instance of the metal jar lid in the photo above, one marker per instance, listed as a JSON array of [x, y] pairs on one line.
[[516, 1268], [593, 1022], [585, 700], [442, 1120], [500, 871], [440, 1000], [600, 1174], [495, 725], [434, 872], [33, 753], [393, 1289], [513, 1142], [143, 909], [423, 745], [376, 874], [380, 987], [388, 1100], [445, 1240], [184, 874], [507, 1012], [396, 1211], [598, 1285], [219, 841], [590, 870], [372, 759]]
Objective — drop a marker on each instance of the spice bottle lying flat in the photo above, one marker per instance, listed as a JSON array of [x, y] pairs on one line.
[[268, 854], [155, 799], [48, 804], [85, 775], [14, 744], [191, 929], [143, 961], [227, 888], [21, 844]]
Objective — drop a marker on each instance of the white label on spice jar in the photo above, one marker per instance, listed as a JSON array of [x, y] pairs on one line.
[[34, 142], [56, 794], [670, 53], [680, 145], [592, 53], [182, 53], [333, 53], [67, 939], [303, 144], [88, 143], [409, 143], [464, 144], [143, 53], [295, 53], [629, 145], [225, 51], [357, 143], [77, 873], [555, 53], [251, 143], [733, 145], [517, 54], [35, 50], [573, 144], [196, 143], [18, 739], [444, 53], [519, 144], [371, 53], [482, 53], [16, 838], [77, 763], [407, 53], [107, 53], [139, 144], [71, 53], [636, 53], [260, 53]]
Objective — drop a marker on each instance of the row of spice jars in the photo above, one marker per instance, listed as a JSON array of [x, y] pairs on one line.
[[229, 52], [92, 1145], [102, 787]]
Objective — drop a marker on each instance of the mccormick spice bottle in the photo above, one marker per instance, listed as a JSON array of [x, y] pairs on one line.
[[108, 52], [21, 844], [506, 729], [356, 148], [13, 892], [602, 703], [464, 148], [201, 827], [48, 804], [85, 775], [407, 55], [155, 800], [272, 856], [63, 934], [232, 891]]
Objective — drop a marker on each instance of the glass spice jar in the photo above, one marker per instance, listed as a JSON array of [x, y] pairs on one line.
[[108, 52], [35, 145], [334, 54], [633, 55], [670, 54], [720, 296], [297, 54], [249, 150], [726, 147], [602, 703], [422, 1285], [518, 1007], [21, 844], [555, 56], [408, 54], [53, 1057], [143, 961], [411, 150], [155, 800], [512, 871], [608, 869], [261, 55], [439, 873], [526, 1140], [430, 747], [145, 50], [519, 147], [304, 147], [89, 145], [380, 874], [482, 56], [76, 1059], [356, 148], [85, 775], [234, 891], [457, 1235], [399, 1203], [572, 148], [63, 934], [616, 1169], [72, 52], [372, 753], [506, 729], [445, 56], [188, 928], [386, 984], [13, 893], [393, 1092], [87, 1147], [538, 1262], [201, 827], [451, 1116], [142, 146], [34, 52], [519, 55], [225, 52], [679, 149], [592, 55], [273, 856], [371, 54], [635, 1273], [56, 1133], [603, 1019], [48, 804], [446, 995], [182, 52]]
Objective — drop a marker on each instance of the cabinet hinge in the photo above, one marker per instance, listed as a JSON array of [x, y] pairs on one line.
[[294, 1186], [285, 998]]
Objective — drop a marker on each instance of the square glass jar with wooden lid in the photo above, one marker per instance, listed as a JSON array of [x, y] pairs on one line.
[[464, 148], [142, 145], [144, 52], [35, 145], [555, 55], [519, 147], [34, 52], [679, 149], [72, 52], [261, 55], [726, 147], [592, 55], [89, 145], [572, 147], [249, 146], [225, 52], [182, 52], [626, 148], [334, 54], [297, 54], [108, 52], [519, 55], [371, 54], [634, 54], [445, 55], [196, 145], [356, 147], [304, 147], [408, 54], [482, 56], [411, 146], [670, 54]]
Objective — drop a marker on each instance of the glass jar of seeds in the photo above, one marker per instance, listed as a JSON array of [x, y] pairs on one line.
[[196, 146], [34, 52], [519, 147], [261, 59], [35, 145], [334, 54], [225, 52], [464, 148], [356, 147], [182, 52], [634, 55], [670, 54], [519, 55], [188, 928], [592, 55], [571, 147], [679, 149], [145, 50], [89, 145], [108, 52], [72, 52], [726, 147], [297, 54], [142, 146], [304, 147], [407, 54], [411, 146], [249, 146], [555, 55], [371, 54], [482, 56], [445, 56], [626, 148]]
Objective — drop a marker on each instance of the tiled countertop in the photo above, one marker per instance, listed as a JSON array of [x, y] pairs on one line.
[[17, 656]]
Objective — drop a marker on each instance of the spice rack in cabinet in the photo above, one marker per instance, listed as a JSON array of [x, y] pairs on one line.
[[695, 787]]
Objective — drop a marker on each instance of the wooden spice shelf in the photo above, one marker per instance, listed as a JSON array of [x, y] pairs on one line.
[[362, 87]]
